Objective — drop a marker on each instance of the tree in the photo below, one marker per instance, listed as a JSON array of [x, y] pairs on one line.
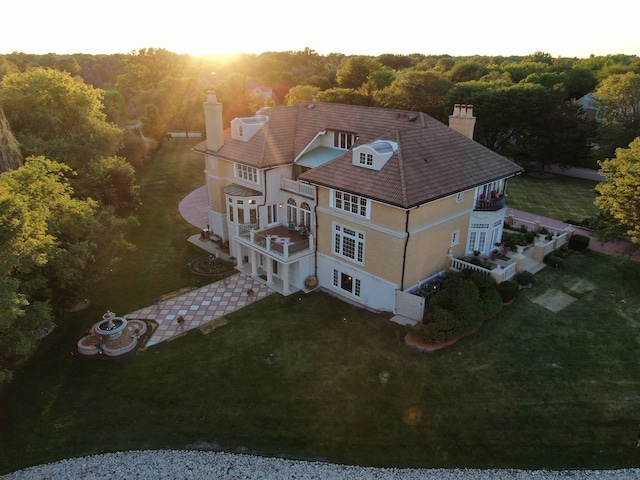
[[145, 69], [10, 156], [618, 103], [152, 125], [348, 96], [112, 182], [419, 91], [619, 199], [300, 94], [53, 248], [353, 72], [57, 116]]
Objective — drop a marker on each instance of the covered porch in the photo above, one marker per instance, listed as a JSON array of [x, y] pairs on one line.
[[280, 257]]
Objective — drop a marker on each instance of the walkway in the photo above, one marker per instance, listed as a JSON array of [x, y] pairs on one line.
[[616, 247], [200, 306], [206, 304]]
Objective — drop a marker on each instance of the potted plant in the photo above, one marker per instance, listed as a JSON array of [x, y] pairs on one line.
[[494, 254], [542, 233]]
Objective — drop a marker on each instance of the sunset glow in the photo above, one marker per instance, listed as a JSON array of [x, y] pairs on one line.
[[466, 27]]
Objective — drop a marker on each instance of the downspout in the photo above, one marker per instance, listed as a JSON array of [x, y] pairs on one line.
[[404, 253], [315, 237]]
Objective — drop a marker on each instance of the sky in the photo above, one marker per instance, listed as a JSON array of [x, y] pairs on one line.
[[561, 28]]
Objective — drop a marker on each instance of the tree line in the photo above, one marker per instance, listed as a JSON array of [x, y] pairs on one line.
[[74, 129]]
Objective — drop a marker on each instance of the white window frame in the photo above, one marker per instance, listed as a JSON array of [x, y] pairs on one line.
[[247, 173], [366, 159], [348, 243], [348, 202], [455, 238], [459, 197], [356, 285], [343, 140], [272, 214]]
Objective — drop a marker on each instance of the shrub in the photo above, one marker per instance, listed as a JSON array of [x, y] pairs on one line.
[[482, 281], [491, 303], [526, 278], [508, 291], [554, 261], [579, 242], [529, 237]]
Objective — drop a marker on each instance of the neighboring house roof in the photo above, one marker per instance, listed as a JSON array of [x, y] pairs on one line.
[[262, 91], [432, 160]]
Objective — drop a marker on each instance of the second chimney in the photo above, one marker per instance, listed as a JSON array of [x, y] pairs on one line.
[[462, 120]]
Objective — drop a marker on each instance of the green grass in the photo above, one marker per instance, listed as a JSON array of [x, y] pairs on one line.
[[560, 197], [532, 389]]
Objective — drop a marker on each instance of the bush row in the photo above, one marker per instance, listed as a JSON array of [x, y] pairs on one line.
[[467, 299]]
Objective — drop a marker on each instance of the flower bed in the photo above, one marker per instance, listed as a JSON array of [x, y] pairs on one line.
[[210, 265]]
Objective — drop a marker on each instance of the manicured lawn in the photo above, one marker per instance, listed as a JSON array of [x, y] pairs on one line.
[[310, 376], [560, 197]]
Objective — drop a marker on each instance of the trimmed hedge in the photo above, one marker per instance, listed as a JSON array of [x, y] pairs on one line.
[[526, 278], [466, 300], [578, 242], [508, 291]]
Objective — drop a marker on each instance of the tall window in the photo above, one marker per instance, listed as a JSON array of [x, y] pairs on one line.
[[343, 140], [243, 210], [272, 213], [292, 211], [478, 238], [348, 243], [245, 172], [305, 214], [351, 203]]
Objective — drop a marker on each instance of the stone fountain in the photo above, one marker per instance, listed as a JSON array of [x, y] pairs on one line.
[[110, 327], [112, 336]]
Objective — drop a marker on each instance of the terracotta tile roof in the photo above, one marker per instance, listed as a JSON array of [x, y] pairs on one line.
[[432, 160]]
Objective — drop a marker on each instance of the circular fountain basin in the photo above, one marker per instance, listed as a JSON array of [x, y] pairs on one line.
[[110, 327]]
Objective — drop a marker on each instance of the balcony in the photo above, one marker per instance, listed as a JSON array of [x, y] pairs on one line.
[[300, 188], [500, 269], [491, 204], [278, 242]]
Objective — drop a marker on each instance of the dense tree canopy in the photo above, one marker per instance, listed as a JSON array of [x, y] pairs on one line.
[[56, 115], [618, 103], [619, 198], [53, 248], [10, 155]]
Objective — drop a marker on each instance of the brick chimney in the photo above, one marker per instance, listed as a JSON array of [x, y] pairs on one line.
[[462, 120], [213, 122]]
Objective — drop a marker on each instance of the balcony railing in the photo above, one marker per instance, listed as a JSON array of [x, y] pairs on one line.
[[491, 204], [276, 246], [300, 188], [499, 274]]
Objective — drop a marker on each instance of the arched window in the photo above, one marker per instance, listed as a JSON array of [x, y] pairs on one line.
[[305, 214], [292, 212]]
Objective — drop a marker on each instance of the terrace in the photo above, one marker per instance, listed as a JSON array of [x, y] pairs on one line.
[[280, 242]]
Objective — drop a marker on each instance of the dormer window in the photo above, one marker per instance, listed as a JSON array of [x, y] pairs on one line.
[[374, 155], [366, 159], [343, 140], [246, 127]]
